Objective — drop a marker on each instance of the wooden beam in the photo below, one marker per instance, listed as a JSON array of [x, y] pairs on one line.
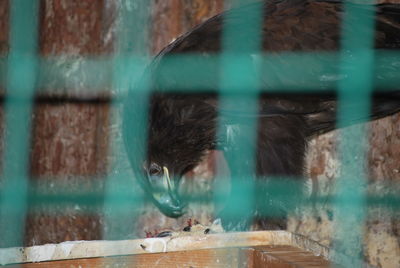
[[188, 247], [271, 256]]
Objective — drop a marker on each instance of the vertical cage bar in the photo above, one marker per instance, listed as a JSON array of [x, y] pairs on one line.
[[131, 52], [354, 102], [239, 88], [21, 79]]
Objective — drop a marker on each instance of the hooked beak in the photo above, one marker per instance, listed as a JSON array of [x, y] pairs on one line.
[[165, 196]]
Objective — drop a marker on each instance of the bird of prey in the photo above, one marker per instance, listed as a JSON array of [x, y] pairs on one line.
[[182, 126]]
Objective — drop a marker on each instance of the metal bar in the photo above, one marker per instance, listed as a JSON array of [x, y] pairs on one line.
[[350, 203], [91, 76], [38, 197], [131, 43], [240, 76], [21, 78]]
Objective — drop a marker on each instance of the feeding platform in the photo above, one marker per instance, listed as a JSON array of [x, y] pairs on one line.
[[275, 249]]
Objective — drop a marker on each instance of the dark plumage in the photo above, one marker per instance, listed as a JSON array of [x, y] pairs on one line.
[[182, 127]]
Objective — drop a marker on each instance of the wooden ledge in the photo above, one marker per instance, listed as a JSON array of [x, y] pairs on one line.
[[213, 250]]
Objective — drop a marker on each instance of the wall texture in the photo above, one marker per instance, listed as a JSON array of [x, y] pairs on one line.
[[3, 26], [69, 140], [382, 243]]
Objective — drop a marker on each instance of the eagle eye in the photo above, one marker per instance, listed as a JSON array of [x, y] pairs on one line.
[[154, 170]]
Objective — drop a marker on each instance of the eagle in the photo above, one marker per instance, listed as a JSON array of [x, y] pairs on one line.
[[168, 127]]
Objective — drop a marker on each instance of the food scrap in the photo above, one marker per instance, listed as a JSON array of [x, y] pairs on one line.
[[193, 227]]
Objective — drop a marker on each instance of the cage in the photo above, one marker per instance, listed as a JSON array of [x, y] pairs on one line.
[[67, 70]]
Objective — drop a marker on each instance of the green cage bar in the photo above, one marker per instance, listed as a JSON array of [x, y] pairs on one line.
[[95, 72], [240, 86], [357, 52], [130, 55], [21, 82]]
